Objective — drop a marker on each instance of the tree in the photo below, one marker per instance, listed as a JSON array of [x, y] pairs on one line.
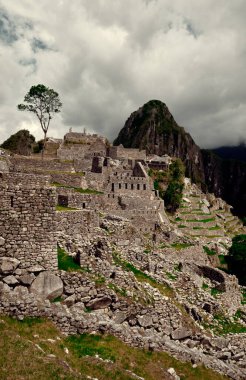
[[173, 194], [236, 259], [43, 102]]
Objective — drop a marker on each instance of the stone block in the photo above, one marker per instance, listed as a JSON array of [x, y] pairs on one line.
[[8, 265], [47, 285]]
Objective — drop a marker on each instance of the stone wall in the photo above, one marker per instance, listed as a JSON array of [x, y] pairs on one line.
[[35, 165], [27, 211], [81, 145], [77, 222], [117, 152], [80, 200]]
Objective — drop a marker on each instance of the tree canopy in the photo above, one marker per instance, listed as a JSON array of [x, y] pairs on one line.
[[236, 258], [44, 102], [173, 194]]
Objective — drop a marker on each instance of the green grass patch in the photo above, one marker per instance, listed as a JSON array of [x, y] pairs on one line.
[[141, 276], [66, 262], [215, 228], [224, 325], [181, 226], [179, 246], [201, 220], [18, 345], [171, 276], [117, 289], [65, 208], [215, 292]]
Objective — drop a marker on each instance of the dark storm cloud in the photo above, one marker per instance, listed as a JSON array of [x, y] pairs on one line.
[[108, 57]]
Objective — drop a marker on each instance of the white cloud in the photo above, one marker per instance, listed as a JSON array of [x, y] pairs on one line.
[[108, 57]]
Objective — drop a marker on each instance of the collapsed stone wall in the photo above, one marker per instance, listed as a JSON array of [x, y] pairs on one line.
[[78, 222], [27, 213]]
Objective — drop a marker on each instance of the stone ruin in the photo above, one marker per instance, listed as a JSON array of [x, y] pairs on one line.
[[113, 223]]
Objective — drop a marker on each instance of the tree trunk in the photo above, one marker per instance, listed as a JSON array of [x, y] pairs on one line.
[[44, 145]]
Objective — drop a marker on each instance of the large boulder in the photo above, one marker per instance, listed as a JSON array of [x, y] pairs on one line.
[[99, 303], [8, 265], [47, 285]]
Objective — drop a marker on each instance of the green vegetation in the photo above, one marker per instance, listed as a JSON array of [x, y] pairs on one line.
[[243, 301], [179, 246], [141, 276], [171, 276], [65, 208], [77, 189], [117, 289], [66, 262], [21, 142], [173, 194], [223, 325], [236, 259], [20, 341], [160, 179], [215, 292], [201, 220], [43, 102], [205, 286], [208, 251], [214, 228], [99, 280]]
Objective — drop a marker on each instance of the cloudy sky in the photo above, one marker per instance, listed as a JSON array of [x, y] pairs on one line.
[[106, 58]]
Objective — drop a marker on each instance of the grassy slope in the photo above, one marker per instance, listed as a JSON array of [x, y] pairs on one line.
[[25, 350]]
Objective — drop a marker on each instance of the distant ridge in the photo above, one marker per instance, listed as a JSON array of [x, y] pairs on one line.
[[232, 152]]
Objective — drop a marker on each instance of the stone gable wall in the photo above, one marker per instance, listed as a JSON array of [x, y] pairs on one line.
[[129, 153]]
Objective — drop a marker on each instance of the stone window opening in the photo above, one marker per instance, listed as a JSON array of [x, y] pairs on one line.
[[12, 201], [83, 205], [144, 186], [132, 187], [112, 189], [126, 186], [138, 186], [119, 185], [63, 200]]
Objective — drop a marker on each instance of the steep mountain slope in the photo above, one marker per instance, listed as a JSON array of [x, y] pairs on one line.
[[153, 128], [227, 179]]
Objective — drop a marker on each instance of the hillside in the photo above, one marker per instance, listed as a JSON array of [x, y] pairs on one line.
[[103, 258], [153, 128], [52, 356]]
